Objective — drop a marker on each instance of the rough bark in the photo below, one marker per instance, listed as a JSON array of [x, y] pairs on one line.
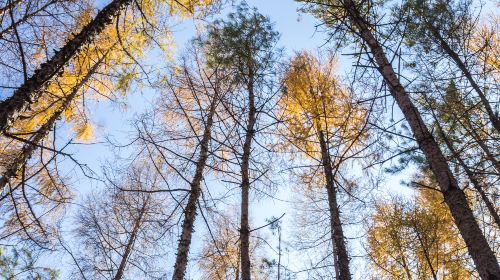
[[190, 211], [245, 185], [495, 121], [33, 142], [479, 249], [31, 90], [341, 257], [130, 243]]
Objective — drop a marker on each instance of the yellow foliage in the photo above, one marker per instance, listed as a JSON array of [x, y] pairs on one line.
[[411, 240], [486, 43], [314, 101], [85, 132]]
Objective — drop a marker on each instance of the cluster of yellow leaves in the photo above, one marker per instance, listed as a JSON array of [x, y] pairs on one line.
[[314, 101], [406, 240]]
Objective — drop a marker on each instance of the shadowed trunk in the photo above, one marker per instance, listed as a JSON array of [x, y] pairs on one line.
[[33, 143], [341, 258], [130, 242], [245, 185], [479, 249], [190, 211], [29, 92]]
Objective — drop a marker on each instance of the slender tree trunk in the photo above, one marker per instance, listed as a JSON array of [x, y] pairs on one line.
[[245, 185], [455, 198], [190, 211], [425, 251], [489, 155], [475, 183], [33, 143], [341, 258], [32, 89], [130, 242], [495, 121]]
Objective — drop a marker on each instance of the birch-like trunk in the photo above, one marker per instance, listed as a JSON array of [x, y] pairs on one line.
[[31, 90], [479, 249]]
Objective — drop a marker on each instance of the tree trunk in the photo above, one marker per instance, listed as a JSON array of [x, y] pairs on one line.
[[30, 146], [130, 242], [495, 121], [341, 258], [29, 92], [475, 183], [190, 211], [455, 198], [245, 186]]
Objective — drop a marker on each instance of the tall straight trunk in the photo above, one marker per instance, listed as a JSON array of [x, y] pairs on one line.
[[33, 143], [341, 258], [29, 92], [479, 249], [495, 120], [130, 243], [475, 182], [190, 211], [245, 185]]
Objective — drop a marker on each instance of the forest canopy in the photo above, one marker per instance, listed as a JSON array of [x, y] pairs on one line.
[[220, 139]]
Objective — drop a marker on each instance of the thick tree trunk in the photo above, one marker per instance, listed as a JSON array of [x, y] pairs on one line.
[[130, 243], [455, 198], [31, 90], [33, 143], [341, 257], [495, 120], [190, 211], [245, 186]]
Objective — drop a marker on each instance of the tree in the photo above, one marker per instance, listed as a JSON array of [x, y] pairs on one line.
[[32, 88], [325, 125], [122, 228], [355, 16], [245, 45], [416, 239], [436, 25]]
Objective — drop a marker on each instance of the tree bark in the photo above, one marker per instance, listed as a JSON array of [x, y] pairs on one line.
[[341, 257], [130, 242], [190, 211], [495, 121], [31, 90], [479, 249], [32, 144], [245, 185]]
